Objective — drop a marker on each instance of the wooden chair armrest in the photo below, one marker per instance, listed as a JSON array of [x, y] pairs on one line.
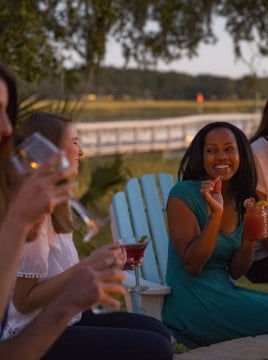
[[153, 288]]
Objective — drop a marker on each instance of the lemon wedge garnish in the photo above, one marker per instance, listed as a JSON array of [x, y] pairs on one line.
[[262, 203]]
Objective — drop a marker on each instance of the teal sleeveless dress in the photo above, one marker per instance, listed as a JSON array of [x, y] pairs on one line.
[[210, 308]]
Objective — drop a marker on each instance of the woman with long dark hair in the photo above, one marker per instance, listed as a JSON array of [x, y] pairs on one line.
[[207, 247], [21, 210]]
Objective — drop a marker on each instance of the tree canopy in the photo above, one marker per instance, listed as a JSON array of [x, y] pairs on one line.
[[24, 44], [36, 33]]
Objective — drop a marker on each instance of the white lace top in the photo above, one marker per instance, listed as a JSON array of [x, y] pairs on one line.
[[260, 154], [47, 256]]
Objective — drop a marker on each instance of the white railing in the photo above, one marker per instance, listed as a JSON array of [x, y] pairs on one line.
[[118, 137]]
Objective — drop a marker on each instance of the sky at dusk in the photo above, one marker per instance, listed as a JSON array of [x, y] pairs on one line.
[[216, 59]]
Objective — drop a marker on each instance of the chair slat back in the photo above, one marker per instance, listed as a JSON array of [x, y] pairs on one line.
[[141, 211], [155, 206], [120, 219], [138, 214], [166, 181]]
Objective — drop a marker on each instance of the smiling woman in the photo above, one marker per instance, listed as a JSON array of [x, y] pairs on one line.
[[221, 156], [61, 132], [207, 247], [47, 265]]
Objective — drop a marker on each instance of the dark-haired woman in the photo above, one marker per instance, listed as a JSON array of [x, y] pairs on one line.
[[20, 213], [207, 248]]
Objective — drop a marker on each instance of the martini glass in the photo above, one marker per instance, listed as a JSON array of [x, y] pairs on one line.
[[135, 252], [33, 152]]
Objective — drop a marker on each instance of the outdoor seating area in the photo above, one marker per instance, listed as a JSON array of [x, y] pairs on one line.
[[134, 180]]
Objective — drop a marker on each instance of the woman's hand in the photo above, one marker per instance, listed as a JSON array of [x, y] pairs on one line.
[[106, 257], [211, 190], [130, 263], [110, 283], [40, 192], [88, 287]]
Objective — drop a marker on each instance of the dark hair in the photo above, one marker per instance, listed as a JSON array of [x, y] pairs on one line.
[[12, 106], [243, 182], [6, 142], [52, 126], [262, 129]]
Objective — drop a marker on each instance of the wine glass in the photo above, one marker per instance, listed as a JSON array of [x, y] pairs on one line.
[[34, 151], [135, 248]]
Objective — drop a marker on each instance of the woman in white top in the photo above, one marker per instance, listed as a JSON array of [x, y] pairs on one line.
[[258, 272], [47, 264]]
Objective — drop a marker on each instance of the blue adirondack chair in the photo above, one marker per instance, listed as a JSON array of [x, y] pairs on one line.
[[140, 210]]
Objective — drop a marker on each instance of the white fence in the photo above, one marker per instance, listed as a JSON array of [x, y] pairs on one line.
[[118, 137]]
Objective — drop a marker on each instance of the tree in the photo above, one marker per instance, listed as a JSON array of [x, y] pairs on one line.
[[24, 44], [246, 21], [152, 29], [81, 26], [147, 30]]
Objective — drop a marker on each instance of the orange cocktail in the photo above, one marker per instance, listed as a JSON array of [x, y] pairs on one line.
[[256, 222]]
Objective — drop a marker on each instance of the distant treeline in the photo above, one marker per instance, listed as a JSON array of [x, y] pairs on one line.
[[146, 84]]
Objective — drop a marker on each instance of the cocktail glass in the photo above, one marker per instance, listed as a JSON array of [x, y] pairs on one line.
[[135, 252]]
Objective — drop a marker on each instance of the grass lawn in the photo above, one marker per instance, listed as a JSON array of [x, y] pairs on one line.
[[94, 111], [246, 283], [149, 109]]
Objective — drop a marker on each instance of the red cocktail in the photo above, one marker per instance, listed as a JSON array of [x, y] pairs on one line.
[[256, 223], [135, 252]]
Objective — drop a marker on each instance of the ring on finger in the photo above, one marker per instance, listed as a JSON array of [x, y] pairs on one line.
[[110, 262]]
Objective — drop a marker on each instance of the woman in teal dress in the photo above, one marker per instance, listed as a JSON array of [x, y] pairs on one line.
[[207, 249]]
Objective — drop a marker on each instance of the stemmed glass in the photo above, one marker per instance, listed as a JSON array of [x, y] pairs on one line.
[[135, 248], [34, 151]]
